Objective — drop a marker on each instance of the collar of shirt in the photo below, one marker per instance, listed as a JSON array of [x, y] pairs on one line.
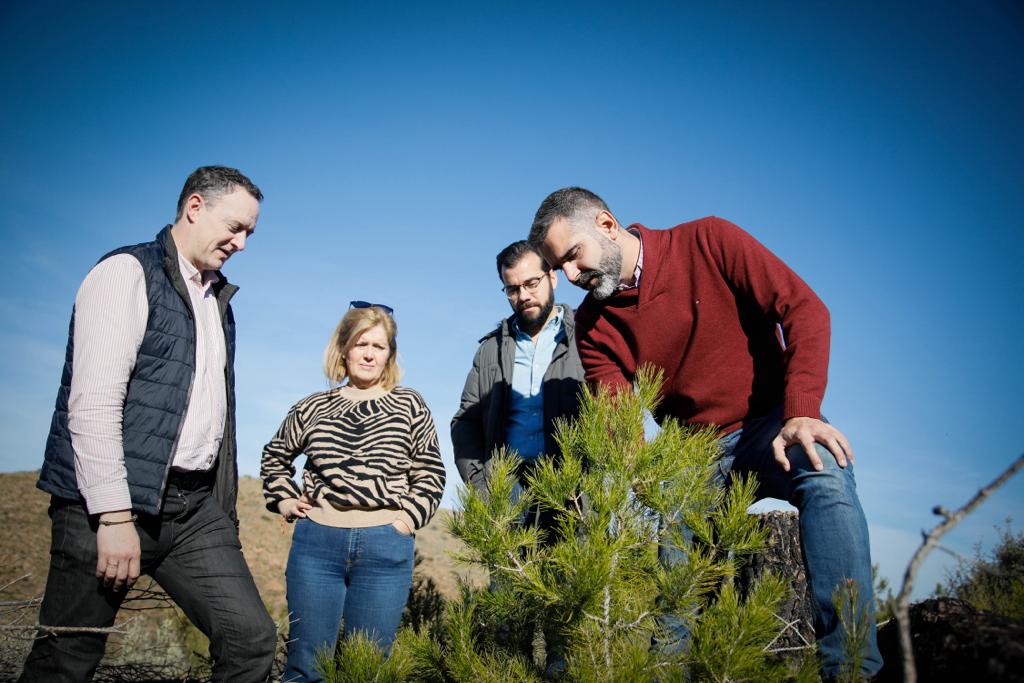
[[201, 279], [524, 430], [639, 262], [554, 324]]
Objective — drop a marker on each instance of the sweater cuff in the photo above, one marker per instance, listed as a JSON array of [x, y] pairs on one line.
[[801, 405], [283, 490]]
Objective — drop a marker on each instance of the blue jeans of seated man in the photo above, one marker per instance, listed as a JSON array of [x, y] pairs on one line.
[[833, 531], [356, 576]]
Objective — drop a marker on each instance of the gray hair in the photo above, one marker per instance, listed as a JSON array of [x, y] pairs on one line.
[[211, 182], [574, 204]]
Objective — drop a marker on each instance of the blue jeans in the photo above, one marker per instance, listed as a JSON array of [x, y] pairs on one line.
[[356, 576], [833, 530]]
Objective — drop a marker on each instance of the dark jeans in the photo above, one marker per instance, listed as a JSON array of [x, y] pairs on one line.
[[535, 516], [359, 576], [192, 550], [545, 520]]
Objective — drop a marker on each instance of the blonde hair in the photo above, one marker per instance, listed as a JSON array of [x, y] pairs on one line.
[[352, 326]]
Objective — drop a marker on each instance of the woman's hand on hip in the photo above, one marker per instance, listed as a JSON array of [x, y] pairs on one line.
[[293, 508]]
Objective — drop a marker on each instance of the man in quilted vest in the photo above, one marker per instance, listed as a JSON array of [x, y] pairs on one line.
[[140, 460]]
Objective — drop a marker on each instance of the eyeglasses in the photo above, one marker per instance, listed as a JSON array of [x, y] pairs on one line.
[[531, 285], [366, 304]]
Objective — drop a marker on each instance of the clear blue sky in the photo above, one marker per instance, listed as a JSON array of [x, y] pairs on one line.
[[876, 147]]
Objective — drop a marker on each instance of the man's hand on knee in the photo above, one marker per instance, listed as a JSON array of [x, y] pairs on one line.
[[806, 431], [117, 548]]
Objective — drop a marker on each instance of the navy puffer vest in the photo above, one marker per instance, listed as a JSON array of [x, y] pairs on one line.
[[158, 389]]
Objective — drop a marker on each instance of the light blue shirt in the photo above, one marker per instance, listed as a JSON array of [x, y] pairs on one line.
[[525, 432]]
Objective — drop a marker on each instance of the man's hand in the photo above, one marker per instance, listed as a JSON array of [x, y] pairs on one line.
[[293, 508], [117, 547], [806, 431]]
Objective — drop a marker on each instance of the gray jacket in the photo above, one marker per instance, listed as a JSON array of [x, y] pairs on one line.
[[478, 427]]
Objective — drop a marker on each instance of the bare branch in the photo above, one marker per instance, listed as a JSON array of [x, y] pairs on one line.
[[11, 583], [56, 630], [519, 568], [143, 599], [636, 622], [952, 553], [31, 602], [576, 504], [786, 626], [931, 539], [794, 648]]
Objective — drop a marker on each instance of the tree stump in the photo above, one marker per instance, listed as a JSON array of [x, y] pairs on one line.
[[784, 557]]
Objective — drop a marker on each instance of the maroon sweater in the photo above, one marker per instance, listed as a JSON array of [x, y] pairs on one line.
[[706, 312]]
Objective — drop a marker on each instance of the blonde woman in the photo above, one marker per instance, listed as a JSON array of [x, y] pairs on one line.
[[373, 475]]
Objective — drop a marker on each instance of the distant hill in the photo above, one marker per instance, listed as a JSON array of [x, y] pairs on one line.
[[25, 540]]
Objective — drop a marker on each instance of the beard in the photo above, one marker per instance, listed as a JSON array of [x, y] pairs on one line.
[[607, 273], [531, 322]]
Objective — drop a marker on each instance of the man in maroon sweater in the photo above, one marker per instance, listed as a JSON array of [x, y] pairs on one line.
[[744, 346]]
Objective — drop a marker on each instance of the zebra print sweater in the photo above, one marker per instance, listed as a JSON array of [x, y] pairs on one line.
[[364, 456]]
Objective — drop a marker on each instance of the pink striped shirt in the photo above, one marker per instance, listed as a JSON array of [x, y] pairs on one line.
[[111, 310]]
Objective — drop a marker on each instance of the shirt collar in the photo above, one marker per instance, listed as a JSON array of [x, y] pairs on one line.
[[201, 279], [639, 262]]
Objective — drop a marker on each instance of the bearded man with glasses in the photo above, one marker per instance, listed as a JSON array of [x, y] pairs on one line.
[[526, 374]]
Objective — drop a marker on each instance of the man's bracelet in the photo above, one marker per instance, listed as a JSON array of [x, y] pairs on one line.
[[122, 521]]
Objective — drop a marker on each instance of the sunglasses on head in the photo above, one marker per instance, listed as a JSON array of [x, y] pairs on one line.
[[367, 304]]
